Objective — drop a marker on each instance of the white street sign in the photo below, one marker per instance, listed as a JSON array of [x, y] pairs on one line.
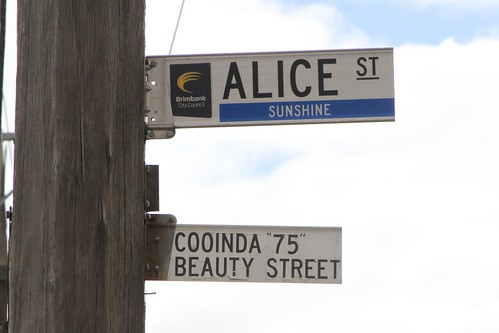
[[270, 88], [251, 254]]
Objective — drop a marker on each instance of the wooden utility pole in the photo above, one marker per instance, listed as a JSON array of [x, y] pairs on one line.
[[77, 234]]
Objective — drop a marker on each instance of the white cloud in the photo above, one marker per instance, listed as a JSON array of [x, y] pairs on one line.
[[417, 200], [247, 26], [9, 86]]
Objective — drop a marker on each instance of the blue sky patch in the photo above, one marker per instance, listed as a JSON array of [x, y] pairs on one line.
[[397, 23]]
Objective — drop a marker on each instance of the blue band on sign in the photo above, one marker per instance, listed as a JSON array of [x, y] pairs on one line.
[[332, 109]]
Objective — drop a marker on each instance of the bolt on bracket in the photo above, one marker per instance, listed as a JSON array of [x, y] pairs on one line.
[[160, 231], [158, 116]]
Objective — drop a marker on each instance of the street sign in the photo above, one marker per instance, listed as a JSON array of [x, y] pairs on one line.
[[269, 88], [244, 253]]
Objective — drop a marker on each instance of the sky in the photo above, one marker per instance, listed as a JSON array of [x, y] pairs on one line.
[[416, 198]]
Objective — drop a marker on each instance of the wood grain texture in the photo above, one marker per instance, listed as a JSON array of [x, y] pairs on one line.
[[77, 239]]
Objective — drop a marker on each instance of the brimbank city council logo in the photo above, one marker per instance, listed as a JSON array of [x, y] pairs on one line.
[[191, 90]]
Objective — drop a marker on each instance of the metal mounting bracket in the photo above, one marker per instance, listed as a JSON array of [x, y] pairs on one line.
[[160, 231], [158, 117], [152, 188]]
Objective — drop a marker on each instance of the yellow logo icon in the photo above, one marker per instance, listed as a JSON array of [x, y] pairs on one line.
[[187, 77]]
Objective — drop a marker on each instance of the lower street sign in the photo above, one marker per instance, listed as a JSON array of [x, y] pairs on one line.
[[244, 253]]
